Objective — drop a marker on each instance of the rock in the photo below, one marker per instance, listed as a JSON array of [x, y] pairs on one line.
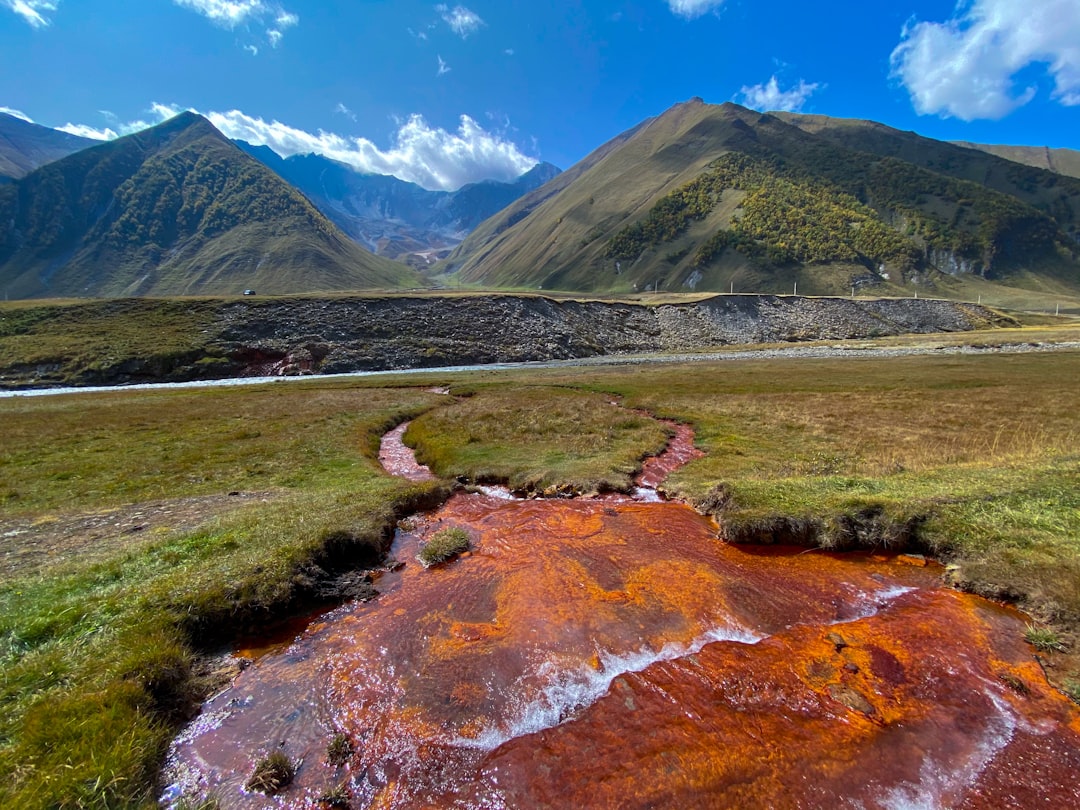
[[845, 695]]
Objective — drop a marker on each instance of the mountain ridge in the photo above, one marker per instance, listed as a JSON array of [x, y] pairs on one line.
[[827, 204], [176, 209], [24, 146]]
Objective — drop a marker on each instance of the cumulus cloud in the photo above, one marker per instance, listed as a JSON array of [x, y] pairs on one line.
[[966, 67], [426, 155], [32, 11], [461, 20], [17, 114], [231, 13], [692, 9], [420, 153], [769, 96], [443, 67]]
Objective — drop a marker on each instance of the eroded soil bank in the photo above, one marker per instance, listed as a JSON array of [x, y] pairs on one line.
[[612, 652], [294, 336]]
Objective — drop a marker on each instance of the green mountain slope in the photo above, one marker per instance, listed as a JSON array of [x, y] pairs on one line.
[[1061, 161], [174, 210], [25, 146], [709, 197]]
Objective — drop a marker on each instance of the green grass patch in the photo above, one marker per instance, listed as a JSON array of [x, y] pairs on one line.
[[1043, 639], [535, 438], [273, 773], [1072, 689], [444, 545], [338, 750]]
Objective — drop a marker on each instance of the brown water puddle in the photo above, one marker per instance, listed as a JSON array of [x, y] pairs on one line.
[[618, 655]]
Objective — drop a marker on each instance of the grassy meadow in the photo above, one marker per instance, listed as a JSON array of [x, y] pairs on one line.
[[974, 458]]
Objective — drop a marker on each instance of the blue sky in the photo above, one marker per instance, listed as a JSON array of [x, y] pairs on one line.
[[444, 94]]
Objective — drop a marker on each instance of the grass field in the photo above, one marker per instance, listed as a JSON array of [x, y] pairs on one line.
[[972, 457]]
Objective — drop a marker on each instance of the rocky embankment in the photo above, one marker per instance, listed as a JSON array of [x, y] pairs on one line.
[[308, 335]]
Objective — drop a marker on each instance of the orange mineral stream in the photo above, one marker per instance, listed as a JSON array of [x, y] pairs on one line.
[[599, 653]]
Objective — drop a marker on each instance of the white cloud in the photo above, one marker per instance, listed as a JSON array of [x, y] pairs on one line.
[[225, 12], [428, 156], [160, 112], [461, 20], [769, 96], [966, 66], [84, 131], [32, 11], [231, 13], [692, 9], [341, 108], [509, 51], [251, 49], [17, 114], [443, 67]]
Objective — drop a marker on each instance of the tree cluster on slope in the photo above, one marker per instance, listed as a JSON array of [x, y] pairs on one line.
[[814, 208]]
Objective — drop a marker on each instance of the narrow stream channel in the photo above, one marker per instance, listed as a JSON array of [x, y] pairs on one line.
[[612, 652]]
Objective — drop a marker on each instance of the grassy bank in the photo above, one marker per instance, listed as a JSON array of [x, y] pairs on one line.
[[98, 648], [536, 438], [971, 457]]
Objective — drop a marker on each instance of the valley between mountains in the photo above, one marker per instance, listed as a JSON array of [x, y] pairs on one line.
[[703, 198]]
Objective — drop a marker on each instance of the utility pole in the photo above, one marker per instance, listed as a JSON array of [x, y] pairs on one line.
[[795, 291]]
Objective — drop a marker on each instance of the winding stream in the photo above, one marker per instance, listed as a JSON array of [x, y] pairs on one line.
[[611, 652]]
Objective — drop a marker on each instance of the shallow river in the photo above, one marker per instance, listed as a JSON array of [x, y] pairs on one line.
[[614, 653]]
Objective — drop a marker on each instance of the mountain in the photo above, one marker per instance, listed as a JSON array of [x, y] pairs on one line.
[[711, 197], [176, 209], [1061, 161], [392, 217], [25, 146]]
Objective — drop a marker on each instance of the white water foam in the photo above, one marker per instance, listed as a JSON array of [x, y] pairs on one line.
[[941, 785], [875, 601], [568, 692], [500, 492]]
